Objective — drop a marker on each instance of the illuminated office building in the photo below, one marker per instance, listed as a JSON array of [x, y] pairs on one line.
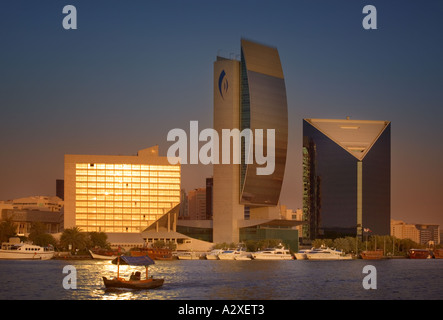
[[346, 177], [248, 94], [119, 193]]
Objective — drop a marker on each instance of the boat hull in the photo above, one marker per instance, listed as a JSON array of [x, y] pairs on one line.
[[187, 256], [372, 255], [133, 284], [243, 257], [102, 257], [438, 254], [321, 256], [226, 257], [7, 255], [272, 257], [419, 254], [153, 253], [300, 256]]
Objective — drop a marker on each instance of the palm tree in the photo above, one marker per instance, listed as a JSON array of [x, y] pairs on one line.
[[8, 229], [73, 238]]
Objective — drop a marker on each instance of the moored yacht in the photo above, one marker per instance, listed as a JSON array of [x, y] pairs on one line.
[[327, 254], [234, 254], [213, 255], [279, 253], [302, 254], [25, 251], [188, 256]]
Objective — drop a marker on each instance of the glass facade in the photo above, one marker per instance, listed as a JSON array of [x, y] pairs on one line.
[[263, 106], [343, 194], [123, 197]]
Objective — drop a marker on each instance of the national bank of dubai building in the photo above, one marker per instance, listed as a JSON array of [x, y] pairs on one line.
[[248, 94]]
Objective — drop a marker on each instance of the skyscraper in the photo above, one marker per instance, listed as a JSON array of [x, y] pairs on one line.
[[249, 94], [346, 177]]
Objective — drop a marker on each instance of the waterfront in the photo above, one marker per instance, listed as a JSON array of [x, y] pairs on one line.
[[397, 279]]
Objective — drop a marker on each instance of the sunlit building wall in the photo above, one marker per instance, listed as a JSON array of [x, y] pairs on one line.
[[420, 233], [119, 193]]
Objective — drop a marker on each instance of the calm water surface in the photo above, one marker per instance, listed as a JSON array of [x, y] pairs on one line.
[[397, 279]]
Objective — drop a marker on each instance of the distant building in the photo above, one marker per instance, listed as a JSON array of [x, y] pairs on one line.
[[40, 203], [420, 233], [184, 212], [429, 233], [297, 215], [346, 177], [209, 193], [60, 188], [402, 230], [197, 204], [24, 219]]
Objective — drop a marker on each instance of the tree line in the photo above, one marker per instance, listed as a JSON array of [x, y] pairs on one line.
[[391, 245], [72, 239]]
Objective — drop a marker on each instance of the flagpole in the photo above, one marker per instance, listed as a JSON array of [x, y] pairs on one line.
[[118, 266]]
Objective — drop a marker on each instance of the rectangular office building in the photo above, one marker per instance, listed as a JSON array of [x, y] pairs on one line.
[[119, 193]]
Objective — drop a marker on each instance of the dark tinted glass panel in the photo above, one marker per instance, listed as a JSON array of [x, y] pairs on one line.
[[268, 110], [245, 116], [330, 182], [377, 185]]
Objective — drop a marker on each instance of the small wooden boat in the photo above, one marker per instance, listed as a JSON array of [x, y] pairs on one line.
[[372, 254], [133, 282], [153, 253], [419, 254], [438, 253], [102, 254]]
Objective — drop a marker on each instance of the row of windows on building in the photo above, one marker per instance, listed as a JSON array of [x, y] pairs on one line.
[[127, 185], [134, 192], [86, 204], [126, 179], [135, 167]]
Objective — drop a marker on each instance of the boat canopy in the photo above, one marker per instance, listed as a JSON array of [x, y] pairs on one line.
[[134, 261]]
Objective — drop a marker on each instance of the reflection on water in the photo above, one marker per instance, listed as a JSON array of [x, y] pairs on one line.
[[233, 280]]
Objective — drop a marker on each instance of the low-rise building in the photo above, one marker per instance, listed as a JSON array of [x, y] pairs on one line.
[[24, 219], [420, 233]]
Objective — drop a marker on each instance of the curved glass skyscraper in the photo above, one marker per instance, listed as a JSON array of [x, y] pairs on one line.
[[263, 106], [249, 95]]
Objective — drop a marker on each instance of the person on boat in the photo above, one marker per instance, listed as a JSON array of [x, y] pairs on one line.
[[132, 277], [137, 275]]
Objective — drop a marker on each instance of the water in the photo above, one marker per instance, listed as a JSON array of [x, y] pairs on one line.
[[397, 279]]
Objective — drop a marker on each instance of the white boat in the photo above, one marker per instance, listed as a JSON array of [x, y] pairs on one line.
[[238, 254], [25, 251], [301, 254], [103, 256], [187, 256], [327, 254], [226, 255], [213, 255], [279, 253], [244, 256]]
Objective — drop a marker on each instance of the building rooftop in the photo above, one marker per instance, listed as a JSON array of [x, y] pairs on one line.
[[355, 136]]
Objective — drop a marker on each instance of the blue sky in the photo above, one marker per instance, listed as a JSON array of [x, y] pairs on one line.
[[133, 70]]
